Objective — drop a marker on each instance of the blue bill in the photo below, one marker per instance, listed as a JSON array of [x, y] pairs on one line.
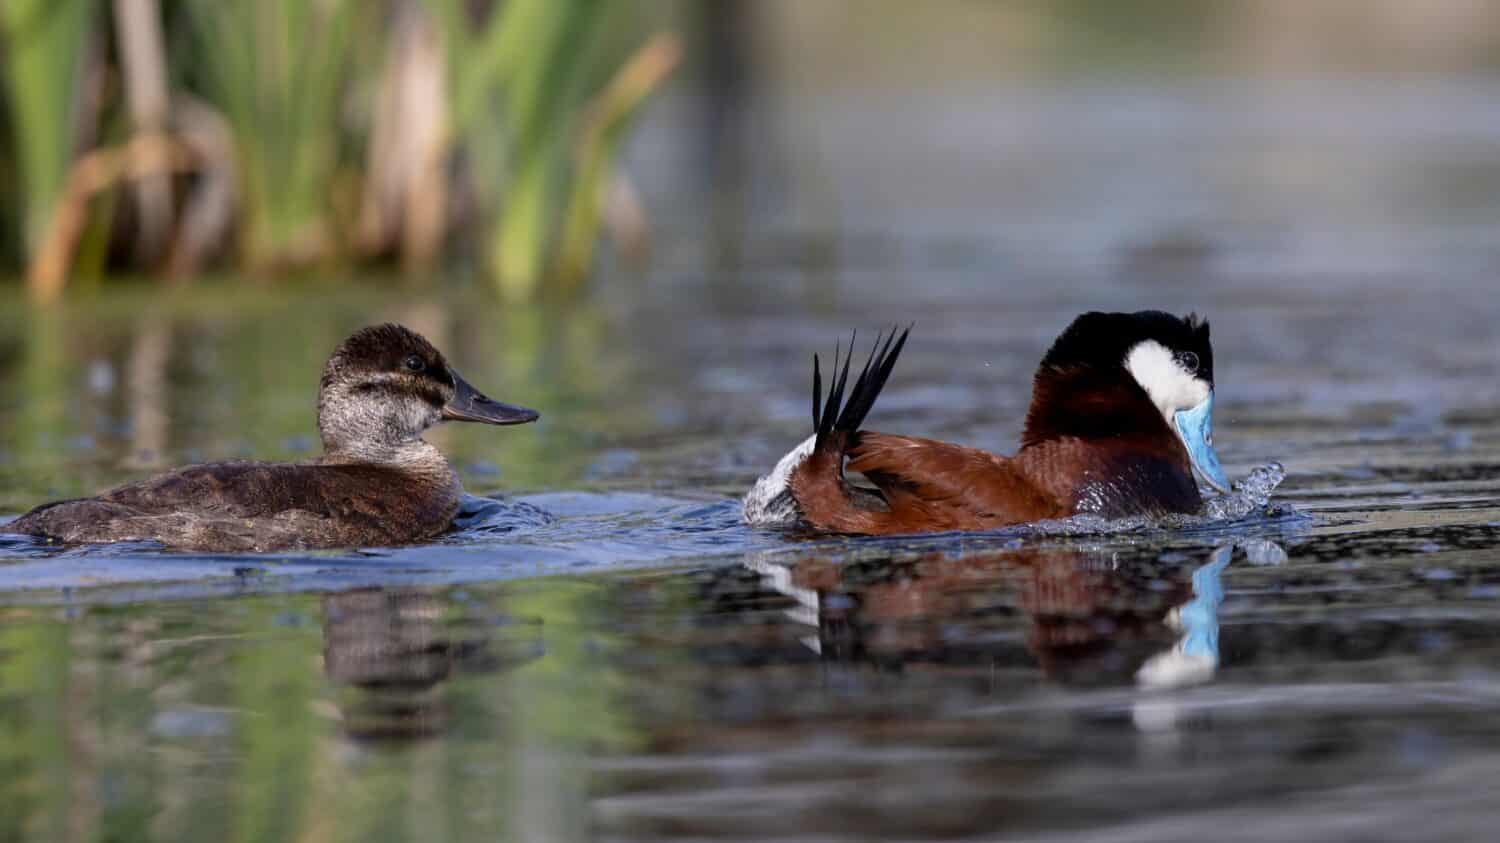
[[1196, 427]]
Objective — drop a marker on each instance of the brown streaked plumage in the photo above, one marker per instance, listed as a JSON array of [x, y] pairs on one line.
[[1097, 440], [377, 484]]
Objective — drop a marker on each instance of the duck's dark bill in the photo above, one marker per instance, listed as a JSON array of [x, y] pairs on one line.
[[471, 405], [1196, 427]]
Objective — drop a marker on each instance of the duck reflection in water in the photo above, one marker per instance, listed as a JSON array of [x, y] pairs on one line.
[[397, 649], [1091, 616]]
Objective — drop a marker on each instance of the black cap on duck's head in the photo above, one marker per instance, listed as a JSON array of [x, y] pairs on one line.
[[1106, 341], [1112, 374], [387, 384]]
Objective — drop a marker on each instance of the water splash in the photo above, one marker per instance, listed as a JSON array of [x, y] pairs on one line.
[[1263, 552], [1249, 495]]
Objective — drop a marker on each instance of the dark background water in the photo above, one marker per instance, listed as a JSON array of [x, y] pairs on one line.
[[604, 652]]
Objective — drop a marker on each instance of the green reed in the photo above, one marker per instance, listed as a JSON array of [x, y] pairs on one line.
[[277, 70], [44, 47], [524, 86], [535, 97]]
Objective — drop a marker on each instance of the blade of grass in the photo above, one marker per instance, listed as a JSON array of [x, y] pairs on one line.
[[45, 45], [277, 70], [540, 102], [608, 119]]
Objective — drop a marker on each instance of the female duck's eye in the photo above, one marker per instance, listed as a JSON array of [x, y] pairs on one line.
[[415, 363], [1189, 362]]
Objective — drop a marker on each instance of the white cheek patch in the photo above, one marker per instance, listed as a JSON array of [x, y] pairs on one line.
[[1170, 386], [416, 416]]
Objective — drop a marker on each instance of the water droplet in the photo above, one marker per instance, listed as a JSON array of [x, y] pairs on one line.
[[1263, 552]]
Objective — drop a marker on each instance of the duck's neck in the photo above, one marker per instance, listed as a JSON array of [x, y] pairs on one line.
[[1089, 404], [381, 427], [413, 456]]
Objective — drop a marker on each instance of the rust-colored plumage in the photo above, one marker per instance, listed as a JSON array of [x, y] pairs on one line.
[[1094, 443]]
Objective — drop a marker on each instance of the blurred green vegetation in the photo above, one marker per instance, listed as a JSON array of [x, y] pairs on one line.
[[46, 42], [287, 136], [277, 70]]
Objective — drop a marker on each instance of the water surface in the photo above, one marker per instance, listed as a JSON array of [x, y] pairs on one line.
[[602, 651]]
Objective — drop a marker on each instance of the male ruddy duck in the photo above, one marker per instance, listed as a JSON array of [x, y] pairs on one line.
[[377, 484], [1121, 414]]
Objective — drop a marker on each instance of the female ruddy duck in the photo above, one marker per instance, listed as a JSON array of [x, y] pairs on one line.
[[377, 484], [1121, 413]]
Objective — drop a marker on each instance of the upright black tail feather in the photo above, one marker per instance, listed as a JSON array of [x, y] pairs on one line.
[[833, 414]]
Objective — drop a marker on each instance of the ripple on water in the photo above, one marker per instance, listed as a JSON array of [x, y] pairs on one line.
[[568, 531]]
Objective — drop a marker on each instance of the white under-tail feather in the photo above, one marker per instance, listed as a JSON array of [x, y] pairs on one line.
[[769, 502]]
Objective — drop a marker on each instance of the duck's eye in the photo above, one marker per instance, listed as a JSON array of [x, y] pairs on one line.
[[415, 363], [1189, 362]]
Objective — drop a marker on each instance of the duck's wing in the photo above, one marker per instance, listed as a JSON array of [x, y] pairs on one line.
[[137, 511], [233, 489], [932, 485], [195, 488], [259, 489], [91, 521], [257, 505]]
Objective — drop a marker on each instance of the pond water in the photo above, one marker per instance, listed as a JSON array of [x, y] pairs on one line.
[[602, 651]]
